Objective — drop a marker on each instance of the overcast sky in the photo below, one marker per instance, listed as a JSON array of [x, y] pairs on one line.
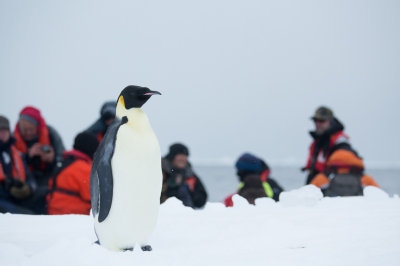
[[235, 76]]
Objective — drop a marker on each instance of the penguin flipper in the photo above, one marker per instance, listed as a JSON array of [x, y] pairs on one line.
[[101, 177]]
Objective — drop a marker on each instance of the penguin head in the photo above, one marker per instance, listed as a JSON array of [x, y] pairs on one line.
[[135, 96]]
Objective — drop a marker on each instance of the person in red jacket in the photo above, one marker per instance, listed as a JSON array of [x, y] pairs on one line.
[[40, 143], [328, 137], [42, 149], [70, 185]]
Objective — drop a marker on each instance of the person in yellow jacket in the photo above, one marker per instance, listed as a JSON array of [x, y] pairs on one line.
[[344, 171]]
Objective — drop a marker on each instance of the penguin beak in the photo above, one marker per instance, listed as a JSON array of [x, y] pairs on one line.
[[151, 93]]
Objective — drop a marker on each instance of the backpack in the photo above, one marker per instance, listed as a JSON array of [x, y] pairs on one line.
[[342, 185]]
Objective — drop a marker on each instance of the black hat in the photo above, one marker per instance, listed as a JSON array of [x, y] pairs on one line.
[[108, 110], [323, 113], [87, 143], [4, 123], [176, 149]]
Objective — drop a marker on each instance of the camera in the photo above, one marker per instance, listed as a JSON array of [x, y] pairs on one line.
[[11, 182], [46, 148]]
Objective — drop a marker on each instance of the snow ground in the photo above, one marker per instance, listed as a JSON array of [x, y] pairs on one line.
[[303, 229]]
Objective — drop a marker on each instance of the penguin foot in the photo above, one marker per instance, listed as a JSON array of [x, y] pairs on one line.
[[97, 242], [147, 248], [128, 249]]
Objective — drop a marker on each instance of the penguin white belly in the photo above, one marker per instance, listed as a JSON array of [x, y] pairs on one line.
[[137, 181]]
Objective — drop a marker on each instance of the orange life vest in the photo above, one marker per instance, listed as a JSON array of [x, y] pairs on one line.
[[20, 143], [319, 162], [18, 169]]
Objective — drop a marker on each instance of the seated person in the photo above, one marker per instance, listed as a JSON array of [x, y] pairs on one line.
[[107, 115], [70, 186], [179, 180], [328, 137], [344, 175], [41, 144], [255, 181], [16, 182]]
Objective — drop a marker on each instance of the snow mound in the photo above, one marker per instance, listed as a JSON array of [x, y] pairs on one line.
[[174, 205], [363, 231], [265, 203], [308, 195], [214, 206], [240, 202], [375, 193]]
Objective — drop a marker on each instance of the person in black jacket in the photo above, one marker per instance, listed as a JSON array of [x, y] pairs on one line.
[[107, 115], [17, 184], [179, 179], [328, 137]]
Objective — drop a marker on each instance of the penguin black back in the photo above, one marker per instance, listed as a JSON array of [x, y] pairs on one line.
[[135, 96]]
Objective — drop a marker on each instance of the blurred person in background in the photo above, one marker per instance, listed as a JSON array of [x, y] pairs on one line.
[[16, 182], [42, 148], [70, 185], [327, 138], [343, 176], [255, 180], [179, 179], [107, 115]]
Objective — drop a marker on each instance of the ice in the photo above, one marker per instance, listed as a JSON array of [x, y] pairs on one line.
[[308, 195]]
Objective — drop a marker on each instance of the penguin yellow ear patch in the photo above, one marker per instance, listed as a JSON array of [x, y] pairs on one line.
[[121, 101]]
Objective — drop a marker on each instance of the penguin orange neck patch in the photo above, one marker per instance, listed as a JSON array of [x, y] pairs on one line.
[[121, 101]]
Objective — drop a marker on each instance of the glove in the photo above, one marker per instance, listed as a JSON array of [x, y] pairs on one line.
[[20, 189]]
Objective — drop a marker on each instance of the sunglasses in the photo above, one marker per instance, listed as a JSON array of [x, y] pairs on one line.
[[319, 121]]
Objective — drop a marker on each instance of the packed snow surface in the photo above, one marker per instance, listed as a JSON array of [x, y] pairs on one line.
[[303, 229]]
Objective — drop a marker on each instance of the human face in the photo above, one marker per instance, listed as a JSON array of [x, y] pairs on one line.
[[28, 129], [321, 126], [180, 161], [4, 135]]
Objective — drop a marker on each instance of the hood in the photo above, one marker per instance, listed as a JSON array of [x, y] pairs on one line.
[[345, 159], [335, 127]]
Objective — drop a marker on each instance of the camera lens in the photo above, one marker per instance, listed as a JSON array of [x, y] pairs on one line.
[[46, 149]]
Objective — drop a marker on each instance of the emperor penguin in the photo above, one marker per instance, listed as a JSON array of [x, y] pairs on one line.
[[126, 177]]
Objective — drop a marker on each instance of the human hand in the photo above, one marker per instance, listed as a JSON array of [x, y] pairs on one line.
[[35, 150], [47, 157]]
